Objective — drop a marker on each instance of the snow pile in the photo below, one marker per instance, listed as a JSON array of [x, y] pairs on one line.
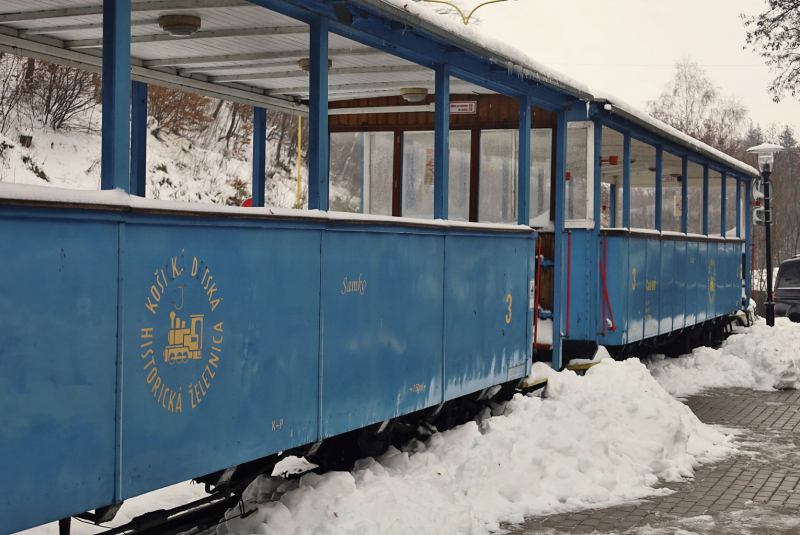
[[595, 441], [762, 358]]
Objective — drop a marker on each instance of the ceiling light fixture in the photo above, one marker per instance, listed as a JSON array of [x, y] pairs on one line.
[[179, 25], [414, 94]]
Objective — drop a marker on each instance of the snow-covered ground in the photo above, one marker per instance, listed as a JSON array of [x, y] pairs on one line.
[[761, 358], [592, 441], [177, 169]]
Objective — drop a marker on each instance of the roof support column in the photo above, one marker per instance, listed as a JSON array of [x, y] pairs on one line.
[[259, 154], [659, 186], [738, 208], [684, 194], [318, 164], [115, 159], [559, 280], [612, 205], [524, 173], [705, 199], [748, 261], [441, 156], [626, 181], [597, 173], [724, 206], [139, 139]]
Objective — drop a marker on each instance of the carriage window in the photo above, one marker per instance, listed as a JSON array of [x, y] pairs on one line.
[[361, 172], [580, 174], [694, 199], [643, 185], [541, 165], [730, 207], [714, 203], [458, 187], [671, 196], [611, 179], [497, 197], [418, 162]]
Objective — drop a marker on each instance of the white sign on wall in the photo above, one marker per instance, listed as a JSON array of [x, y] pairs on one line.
[[463, 108]]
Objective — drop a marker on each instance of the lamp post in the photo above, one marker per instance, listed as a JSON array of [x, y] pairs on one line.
[[765, 153]]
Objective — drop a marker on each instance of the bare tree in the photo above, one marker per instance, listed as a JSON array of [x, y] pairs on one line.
[[775, 35], [693, 104]]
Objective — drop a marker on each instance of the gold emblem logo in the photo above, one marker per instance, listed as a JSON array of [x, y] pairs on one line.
[[712, 281], [190, 351]]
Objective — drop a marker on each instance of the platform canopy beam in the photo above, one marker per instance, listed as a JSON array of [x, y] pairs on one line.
[[253, 56]]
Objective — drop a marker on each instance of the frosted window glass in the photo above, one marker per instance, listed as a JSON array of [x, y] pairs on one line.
[[361, 162], [346, 167], [577, 169], [497, 197], [379, 179], [541, 164]]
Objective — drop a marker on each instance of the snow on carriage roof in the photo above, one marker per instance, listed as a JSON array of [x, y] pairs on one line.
[[501, 53]]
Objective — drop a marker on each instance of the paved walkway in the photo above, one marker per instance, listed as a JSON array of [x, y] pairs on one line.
[[756, 492]]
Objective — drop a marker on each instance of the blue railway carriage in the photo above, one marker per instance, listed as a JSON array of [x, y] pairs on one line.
[[468, 211]]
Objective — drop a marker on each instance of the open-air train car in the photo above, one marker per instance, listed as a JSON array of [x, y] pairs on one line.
[[147, 342]]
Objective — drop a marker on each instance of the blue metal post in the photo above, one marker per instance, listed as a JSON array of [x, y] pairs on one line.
[[724, 207], [748, 225], [259, 155], [139, 139], [559, 280], [441, 159], [598, 173], [318, 164], [659, 186], [684, 195], [705, 199], [738, 208], [524, 174], [595, 283], [626, 181], [115, 160]]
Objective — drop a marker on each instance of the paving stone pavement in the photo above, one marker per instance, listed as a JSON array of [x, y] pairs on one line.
[[755, 492]]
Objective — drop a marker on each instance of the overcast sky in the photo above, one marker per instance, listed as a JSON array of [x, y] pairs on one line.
[[629, 47]]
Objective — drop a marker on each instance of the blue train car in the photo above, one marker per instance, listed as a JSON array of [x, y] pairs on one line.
[[147, 342]]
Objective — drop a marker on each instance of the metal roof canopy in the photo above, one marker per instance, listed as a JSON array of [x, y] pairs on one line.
[[243, 52]]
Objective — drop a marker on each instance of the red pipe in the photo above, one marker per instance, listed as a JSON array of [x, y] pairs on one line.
[[569, 274], [536, 309]]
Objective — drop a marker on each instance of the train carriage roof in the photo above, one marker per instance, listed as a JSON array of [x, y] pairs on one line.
[[246, 53]]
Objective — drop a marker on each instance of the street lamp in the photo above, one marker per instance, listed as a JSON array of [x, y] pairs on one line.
[[765, 153]]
